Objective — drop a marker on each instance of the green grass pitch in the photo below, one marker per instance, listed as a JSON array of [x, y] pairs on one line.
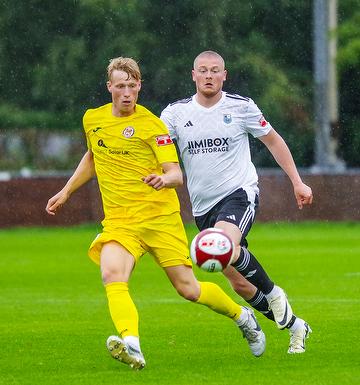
[[54, 319]]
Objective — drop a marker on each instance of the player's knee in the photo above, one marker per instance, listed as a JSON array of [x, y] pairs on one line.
[[109, 275], [106, 276]]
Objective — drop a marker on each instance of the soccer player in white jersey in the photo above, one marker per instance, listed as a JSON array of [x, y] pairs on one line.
[[211, 131]]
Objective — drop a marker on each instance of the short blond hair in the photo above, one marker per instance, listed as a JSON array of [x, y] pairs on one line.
[[209, 53], [126, 64]]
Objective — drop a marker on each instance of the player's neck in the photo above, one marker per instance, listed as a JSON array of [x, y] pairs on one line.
[[121, 113], [208, 101]]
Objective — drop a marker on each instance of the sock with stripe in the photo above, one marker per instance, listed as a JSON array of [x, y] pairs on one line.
[[294, 323], [248, 266], [261, 304], [122, 309]]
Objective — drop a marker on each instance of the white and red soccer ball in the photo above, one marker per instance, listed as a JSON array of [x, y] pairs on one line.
[[212, 250]]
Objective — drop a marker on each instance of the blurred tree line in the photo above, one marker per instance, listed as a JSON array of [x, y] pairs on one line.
[[53, 56]]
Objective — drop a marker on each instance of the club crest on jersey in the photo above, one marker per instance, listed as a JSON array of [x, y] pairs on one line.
[[128, 132], [262, 121], [163, 140], [227, 118]]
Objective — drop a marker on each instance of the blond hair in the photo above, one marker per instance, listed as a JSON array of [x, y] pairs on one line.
[[125, 64], [209, 53]]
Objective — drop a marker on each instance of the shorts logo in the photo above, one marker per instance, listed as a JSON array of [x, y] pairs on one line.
[[128, 132], [227, 118], [163, 140], [262, 121]]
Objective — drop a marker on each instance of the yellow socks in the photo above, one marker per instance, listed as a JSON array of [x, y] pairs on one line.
[[125, 316], [122, 309], [214, 297]]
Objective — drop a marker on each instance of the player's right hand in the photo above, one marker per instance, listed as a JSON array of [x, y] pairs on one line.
[[56, 202], [155, 181]]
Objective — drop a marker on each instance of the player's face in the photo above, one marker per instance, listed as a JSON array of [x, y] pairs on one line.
[[124, 91], [209, 75]]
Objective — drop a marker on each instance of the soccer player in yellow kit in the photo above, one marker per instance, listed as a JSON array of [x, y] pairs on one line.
[[135, 162]]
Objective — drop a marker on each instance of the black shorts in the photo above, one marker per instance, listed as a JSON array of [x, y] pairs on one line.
[[236, 208]]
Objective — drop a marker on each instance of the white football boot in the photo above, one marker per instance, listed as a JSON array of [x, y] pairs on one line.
[[125, 353], [280, 307], [298, 337], [252, 332]]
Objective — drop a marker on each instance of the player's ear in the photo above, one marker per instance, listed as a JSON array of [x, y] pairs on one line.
[[108, 85], [225, 74], [139, 85], [193, 75]]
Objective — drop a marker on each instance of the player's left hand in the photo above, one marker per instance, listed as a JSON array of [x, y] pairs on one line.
[[155, 181], [303, 195]]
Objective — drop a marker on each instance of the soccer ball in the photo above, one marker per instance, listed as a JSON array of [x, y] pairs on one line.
[[212, 250]]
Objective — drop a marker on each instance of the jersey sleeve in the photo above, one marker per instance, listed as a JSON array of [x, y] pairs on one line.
[[167, 116], [256, 123], [162, 144]]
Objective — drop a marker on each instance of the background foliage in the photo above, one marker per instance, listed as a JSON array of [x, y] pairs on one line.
[[54, 55]]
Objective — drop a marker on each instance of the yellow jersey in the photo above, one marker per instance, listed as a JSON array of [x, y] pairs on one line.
[[125, 149]]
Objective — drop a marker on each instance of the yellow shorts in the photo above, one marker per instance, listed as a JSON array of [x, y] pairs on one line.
[[164, 237]]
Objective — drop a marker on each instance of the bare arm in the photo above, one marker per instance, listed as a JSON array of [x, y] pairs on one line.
[[83, 173], [280, 151], [171, 178]]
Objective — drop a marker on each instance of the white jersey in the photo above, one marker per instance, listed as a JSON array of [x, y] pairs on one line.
[[214, 146]]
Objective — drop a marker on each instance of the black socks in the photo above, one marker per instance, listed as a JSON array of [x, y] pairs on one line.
[[248, 266], [260, 303]]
